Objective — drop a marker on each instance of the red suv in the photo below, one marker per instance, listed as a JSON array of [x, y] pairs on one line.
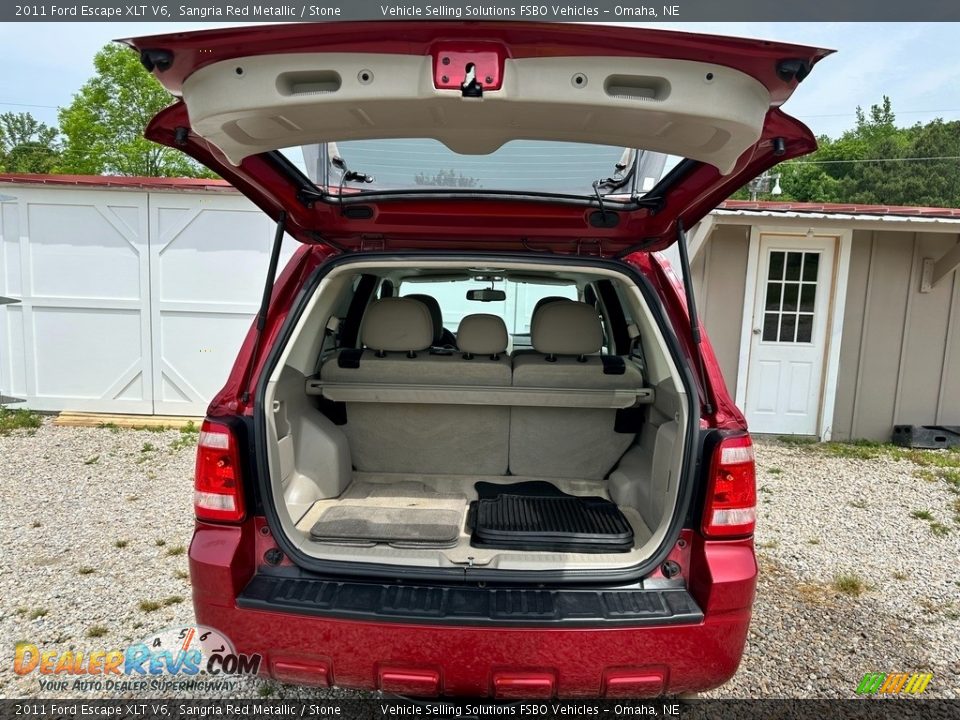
[[476, 442]]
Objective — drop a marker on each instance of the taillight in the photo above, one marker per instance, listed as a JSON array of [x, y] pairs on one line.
[[730, 509], [218, 486]]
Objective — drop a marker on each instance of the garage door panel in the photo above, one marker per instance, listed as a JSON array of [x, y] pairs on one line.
[[80, 337], [208, 261], [81, 252]]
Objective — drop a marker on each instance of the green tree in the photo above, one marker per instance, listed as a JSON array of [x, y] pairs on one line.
[[103, 126], [877, 162], [26, 144]]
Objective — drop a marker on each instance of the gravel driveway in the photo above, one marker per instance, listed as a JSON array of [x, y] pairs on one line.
[[859, 559]]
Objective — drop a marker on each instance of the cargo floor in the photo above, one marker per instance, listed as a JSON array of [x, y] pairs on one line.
[[387, 515]]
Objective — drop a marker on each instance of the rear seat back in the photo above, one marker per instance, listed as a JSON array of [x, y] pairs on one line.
[[423, 438], [568, 442]]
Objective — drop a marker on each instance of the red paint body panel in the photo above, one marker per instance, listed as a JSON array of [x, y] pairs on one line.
[[477, 661]]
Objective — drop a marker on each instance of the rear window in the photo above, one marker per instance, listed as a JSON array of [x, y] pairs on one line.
[[516, 310], [519, 166]]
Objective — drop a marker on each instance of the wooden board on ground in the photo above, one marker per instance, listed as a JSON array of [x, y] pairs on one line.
[[80, 419]]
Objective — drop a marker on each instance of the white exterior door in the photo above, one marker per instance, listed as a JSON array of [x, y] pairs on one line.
[[789, 333]]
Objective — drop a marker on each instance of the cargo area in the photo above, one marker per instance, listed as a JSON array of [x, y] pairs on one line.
[[521, 430]]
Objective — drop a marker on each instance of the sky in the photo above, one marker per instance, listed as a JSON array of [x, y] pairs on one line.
[[916, 64]]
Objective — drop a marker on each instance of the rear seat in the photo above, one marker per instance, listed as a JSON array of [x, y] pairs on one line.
[[406, 413], [568, 442], [396, 334]]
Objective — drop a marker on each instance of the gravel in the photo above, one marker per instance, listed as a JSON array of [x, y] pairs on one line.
[[72, 495]]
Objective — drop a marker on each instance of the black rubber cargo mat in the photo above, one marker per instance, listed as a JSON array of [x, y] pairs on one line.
[[558, 523]]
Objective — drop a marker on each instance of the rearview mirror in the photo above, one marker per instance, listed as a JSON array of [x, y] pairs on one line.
[[486, 295]]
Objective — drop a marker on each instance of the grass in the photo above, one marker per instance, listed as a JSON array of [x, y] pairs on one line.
[[172, 600], [85, 570], [850, 584], [92, 460], [189, 434], [111, 426], [797, 440], [939, 529], [96, 631], [149, 605], [160, 542], [266, 690], [775, 471], [38, 613], [176, 550], [922, 515], [858, 504], [181, 574], [120, 543], [813, 594], [769, 544], [151, 428], [855, 450], [813, 541], [18, 419], [765, 489], [148, 447], [898, 575], [36, 524]]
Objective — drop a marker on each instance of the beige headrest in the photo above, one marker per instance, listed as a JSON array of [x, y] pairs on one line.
[[397, 325], [567, 328], [482, 334]]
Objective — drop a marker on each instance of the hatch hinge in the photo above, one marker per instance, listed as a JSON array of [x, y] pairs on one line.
[[264, 303], [692, 312], [308, 196]]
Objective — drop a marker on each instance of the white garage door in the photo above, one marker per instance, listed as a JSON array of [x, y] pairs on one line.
[[130, 301]]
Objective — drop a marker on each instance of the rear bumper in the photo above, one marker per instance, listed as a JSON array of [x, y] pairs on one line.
[[483, 661]]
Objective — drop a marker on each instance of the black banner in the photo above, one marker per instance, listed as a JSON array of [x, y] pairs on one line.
[[374, 708], [593, 11]]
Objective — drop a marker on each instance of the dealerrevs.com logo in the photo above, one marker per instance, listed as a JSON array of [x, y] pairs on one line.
[[894, 683], [192, 657]]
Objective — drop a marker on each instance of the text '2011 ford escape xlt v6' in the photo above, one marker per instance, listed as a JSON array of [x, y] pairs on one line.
[[476, 442]]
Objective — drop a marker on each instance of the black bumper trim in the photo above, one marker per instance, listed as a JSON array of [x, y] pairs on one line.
[[452, 605]]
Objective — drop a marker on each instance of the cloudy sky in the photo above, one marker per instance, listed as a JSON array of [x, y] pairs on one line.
[[916, 64]]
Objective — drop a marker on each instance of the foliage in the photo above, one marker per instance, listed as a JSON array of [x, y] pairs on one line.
[[446, 178], [27, 145], [846, 169], [103, 126]]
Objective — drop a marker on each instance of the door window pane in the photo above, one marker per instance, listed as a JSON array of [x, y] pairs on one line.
[[770, 323], [788, 328], [790, 293], [805, 327], [773, 295], [794, 261], [811, 263], [776, 265], [808, 295]]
